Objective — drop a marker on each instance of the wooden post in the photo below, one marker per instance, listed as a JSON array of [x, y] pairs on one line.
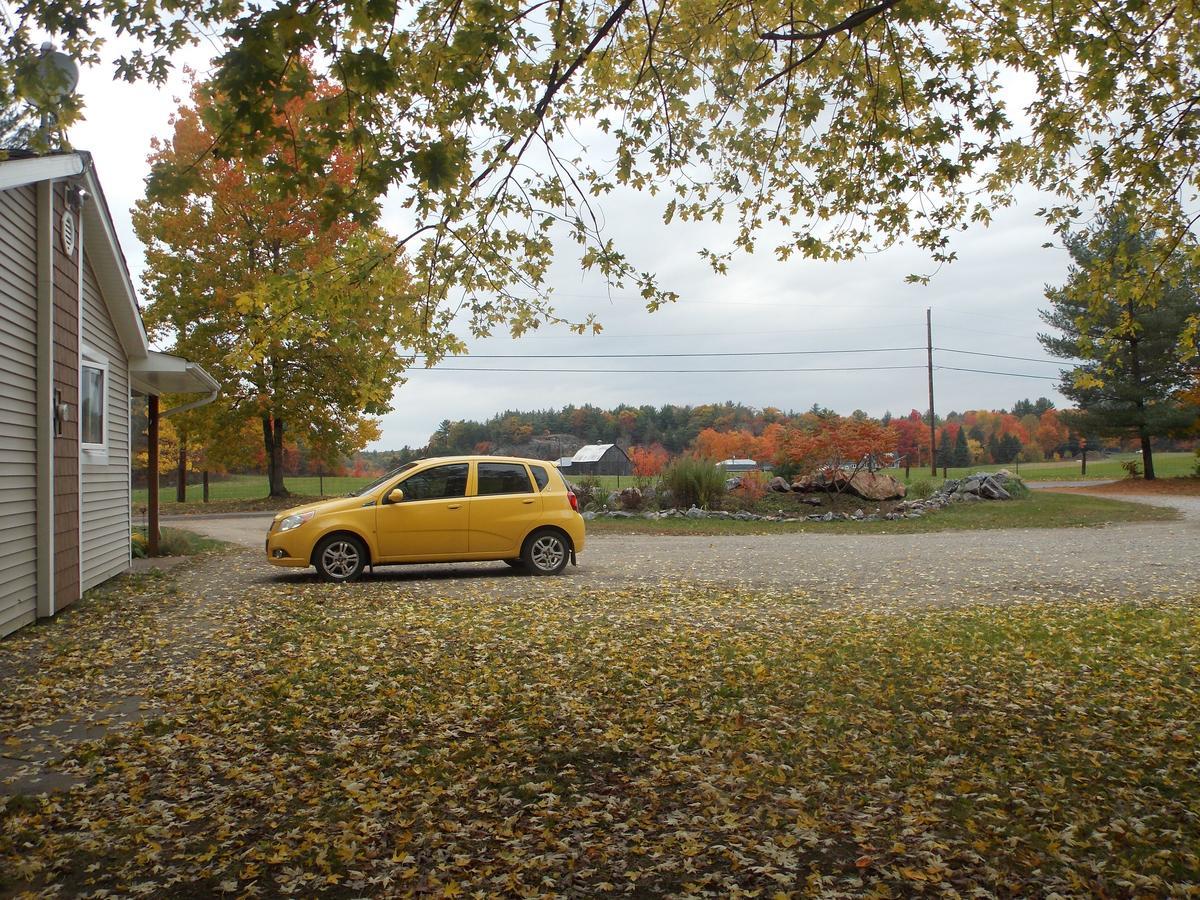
[[1083, 454], [181, 470], [205, 479], [932, 417], [152, 479], [321, 481]]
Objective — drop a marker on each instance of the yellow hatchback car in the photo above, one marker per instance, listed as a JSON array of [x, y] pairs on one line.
[[450, 509]]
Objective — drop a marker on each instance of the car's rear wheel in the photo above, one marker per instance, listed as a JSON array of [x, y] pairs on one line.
[[340, 558], [545, 552]]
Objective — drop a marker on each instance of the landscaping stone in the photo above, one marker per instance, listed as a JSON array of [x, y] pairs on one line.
[[778, 485]]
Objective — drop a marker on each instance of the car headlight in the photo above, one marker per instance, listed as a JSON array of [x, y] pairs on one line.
[[295, 520]]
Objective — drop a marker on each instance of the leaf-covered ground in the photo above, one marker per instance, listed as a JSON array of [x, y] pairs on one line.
[[517, 737]]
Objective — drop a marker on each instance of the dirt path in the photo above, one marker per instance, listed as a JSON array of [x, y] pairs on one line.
[[1142, 559]]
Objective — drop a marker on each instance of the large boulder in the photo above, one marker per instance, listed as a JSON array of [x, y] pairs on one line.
[[778, 485], [874, 486]]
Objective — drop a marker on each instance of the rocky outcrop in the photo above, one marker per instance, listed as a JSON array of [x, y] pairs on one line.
[[868, 485]]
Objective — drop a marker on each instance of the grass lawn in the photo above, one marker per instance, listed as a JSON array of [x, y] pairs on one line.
[[680, 741], [254, 487], [177, 542], [1166, 465], [1041, 509]]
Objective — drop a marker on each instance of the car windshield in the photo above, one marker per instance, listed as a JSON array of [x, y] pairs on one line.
[[380, 480]]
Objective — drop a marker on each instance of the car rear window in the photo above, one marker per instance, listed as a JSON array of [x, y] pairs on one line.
[[541, 476], [503, 478]]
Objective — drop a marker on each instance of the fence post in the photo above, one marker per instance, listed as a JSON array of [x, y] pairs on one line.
[[321, 483], [205, 482]]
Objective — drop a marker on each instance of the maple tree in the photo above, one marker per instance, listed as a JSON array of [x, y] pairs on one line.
[[307, 322], [896, 116], [648, 461], [836, 441]]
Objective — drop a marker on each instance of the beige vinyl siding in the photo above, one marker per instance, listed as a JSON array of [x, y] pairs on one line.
[[106, 476], [18, 407]]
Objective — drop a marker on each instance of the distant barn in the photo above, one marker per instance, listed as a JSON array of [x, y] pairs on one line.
[[743, 465], [597, 459]]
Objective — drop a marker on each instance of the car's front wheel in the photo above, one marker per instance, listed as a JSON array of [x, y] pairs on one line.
[[340, 557], [545, 552]]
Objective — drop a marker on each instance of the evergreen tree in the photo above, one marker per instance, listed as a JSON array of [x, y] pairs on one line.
[[945, 454], [1129, 329], [962, 453]]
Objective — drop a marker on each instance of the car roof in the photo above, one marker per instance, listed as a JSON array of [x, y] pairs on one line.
[[481, 458]]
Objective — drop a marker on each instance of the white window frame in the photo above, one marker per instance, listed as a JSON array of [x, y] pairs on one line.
[[90, 359]]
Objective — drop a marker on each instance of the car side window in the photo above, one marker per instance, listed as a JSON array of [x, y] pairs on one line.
[[541, 476], [437, 483], [503, 478]]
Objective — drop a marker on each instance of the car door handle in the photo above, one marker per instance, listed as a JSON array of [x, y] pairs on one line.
[[527, 502], [454, 506]]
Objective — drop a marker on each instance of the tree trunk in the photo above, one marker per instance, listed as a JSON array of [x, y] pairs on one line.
[[1136, 368], [273, 444], [181, 470]]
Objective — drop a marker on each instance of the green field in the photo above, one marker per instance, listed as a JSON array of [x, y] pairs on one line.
[[1040, 510], [251, 487], [1166, 465]]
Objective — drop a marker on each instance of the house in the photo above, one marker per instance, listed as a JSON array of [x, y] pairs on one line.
[[564, 462], [599, 459], [73, 351]]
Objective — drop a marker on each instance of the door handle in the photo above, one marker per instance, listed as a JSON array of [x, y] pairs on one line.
[[454, 506], [527, 502]]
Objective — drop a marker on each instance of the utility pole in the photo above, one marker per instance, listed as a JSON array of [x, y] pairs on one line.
[[932, 417]]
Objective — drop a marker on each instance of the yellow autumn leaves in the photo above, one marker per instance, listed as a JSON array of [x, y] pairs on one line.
[[498, 736]]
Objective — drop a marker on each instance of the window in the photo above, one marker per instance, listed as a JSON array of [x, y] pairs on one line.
[[541, 476], [437, 483], [93, 377], [503, 478]]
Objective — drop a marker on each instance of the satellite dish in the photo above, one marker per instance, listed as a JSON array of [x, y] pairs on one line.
[[57, 72]]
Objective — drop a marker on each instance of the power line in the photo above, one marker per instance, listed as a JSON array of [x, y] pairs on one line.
[[1052, 362], [665, 371], [672, 355], [731, 353], [989, 372]]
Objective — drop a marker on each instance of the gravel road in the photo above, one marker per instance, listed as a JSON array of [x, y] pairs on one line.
[[1136, 560]]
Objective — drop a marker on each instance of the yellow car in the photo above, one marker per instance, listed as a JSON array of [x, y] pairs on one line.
[[450, 509]]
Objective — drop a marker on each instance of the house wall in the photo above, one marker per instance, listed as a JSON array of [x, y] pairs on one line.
[[18, 407], [106, 476], [66, 385]]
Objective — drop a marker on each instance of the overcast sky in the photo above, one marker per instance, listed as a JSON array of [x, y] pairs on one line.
[[986, 302]]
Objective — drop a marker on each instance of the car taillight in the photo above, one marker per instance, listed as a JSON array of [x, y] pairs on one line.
[[574, 500]]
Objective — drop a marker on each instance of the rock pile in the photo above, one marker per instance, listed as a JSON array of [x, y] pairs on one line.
[[867, 485], [971, 489]]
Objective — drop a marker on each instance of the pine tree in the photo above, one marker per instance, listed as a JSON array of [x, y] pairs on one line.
[[1130, 331], [962, 453]]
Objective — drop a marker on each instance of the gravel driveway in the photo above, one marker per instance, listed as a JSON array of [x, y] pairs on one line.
[[1141, 559]]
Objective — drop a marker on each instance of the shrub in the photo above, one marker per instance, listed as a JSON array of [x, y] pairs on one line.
[[694, 482], [919, 489], [753, 485], [588, 491], [1132, 468], [1016, 488]]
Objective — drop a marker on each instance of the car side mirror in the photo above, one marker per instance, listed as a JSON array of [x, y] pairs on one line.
[[395, 495]]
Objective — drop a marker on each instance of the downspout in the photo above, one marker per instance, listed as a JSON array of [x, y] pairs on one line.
[[44, 425]]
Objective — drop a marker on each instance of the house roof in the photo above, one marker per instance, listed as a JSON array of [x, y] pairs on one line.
[[737, 462], [112, 272], [564, 462], [592, 452]]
